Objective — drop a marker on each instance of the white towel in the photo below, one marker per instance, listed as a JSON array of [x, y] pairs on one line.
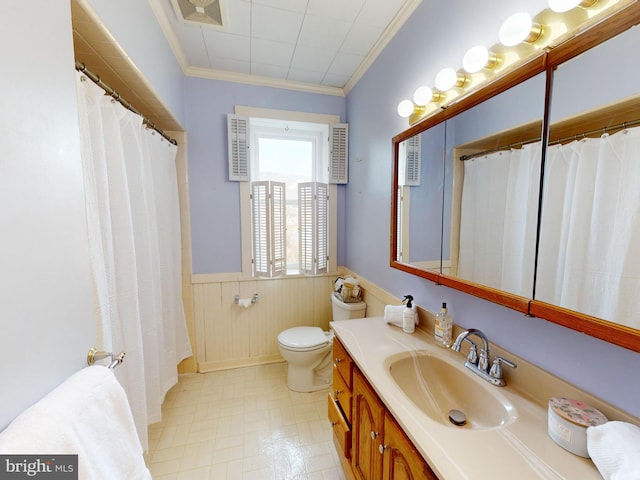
[[393, 314], [88, 415], [615, 449]]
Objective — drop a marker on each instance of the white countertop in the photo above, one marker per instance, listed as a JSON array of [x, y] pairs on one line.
[[520, 450]]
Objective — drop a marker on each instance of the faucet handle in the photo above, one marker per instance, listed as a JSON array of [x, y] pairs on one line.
[[496, 368], [472, 357]]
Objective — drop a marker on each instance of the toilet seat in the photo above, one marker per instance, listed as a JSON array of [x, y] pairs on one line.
[[304, 339]]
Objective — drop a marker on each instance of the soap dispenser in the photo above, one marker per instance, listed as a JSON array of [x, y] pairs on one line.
[[409, 315], [443, 327]]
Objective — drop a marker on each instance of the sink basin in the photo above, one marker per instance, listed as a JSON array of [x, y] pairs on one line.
[[438, 386]]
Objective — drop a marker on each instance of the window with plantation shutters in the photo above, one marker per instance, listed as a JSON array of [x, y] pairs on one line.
[[238, 146], [313, 200], [339, 153], [288, 210], [409, 158], [268, 228]]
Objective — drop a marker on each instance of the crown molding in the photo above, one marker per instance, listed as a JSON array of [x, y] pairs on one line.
[[257, 80]]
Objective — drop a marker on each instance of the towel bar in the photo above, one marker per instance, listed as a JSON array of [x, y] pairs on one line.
[[94, 355]]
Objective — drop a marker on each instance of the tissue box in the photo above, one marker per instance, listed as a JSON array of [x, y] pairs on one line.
[[568, 421]]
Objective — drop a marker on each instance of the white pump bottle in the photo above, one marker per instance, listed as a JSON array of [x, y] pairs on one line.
[[409, 315]]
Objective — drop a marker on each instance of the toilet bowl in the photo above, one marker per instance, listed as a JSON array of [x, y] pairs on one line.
[[307, 350]]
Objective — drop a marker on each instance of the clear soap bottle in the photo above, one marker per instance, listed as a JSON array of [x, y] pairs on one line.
[[443, 327]]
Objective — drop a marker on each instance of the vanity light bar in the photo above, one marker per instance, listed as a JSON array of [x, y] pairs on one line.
[[519, 28]]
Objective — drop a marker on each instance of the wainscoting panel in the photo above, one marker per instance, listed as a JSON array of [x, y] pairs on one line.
[[229, 335]]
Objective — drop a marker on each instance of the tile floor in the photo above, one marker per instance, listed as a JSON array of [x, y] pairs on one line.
[[242, 424]]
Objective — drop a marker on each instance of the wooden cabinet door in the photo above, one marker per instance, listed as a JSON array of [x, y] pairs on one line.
[[401, 460], [367, 430]]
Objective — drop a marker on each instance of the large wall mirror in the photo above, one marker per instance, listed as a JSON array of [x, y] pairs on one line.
[[526, 194], [420, 199]]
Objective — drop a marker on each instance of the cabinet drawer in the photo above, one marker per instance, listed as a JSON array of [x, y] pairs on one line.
[[342, 394], [341, 430], [342, 363]]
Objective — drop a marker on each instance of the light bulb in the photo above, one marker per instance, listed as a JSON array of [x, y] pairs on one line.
[[519, 28], [405, 108], [447, 78], [422, 96], [475, 59]]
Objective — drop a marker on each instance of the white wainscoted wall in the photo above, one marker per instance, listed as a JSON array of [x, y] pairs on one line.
[[228, 335]]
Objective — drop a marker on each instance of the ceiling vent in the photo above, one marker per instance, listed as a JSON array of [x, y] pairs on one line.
[[207, 12]]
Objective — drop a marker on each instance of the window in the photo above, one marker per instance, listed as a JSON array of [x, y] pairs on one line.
[[288, 207]]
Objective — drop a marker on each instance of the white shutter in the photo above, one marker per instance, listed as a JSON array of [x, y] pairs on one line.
[[238, 147], [269, 228], [410, 158], [313, 227], [322, 227], [260, 230], [339, 154], [305, 226], [278, 229]]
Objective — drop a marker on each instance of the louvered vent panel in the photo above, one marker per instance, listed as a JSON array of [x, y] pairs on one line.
[[238, 146], [413, 156], [339, 162]]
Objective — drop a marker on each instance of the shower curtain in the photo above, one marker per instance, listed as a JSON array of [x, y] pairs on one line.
[[498, 219], [590, 232], [134, 246]]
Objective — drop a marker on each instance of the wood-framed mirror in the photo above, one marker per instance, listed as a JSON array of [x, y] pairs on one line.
[[445, 139]]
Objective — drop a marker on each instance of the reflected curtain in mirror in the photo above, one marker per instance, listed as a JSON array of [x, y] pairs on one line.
[[590, 231], [499, 219]]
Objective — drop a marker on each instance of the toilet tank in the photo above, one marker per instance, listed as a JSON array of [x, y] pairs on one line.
[[345, 311]]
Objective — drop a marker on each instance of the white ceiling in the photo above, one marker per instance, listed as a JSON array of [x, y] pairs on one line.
[[322, 46]]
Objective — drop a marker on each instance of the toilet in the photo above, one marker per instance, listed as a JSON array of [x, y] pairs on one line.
[[307, 350]]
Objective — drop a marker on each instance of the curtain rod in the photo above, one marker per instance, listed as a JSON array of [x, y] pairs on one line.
[[561, 140], [81, 67]]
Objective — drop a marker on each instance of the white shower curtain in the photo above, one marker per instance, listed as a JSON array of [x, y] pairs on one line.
[[134, 244], [498, 219], [590, 232]]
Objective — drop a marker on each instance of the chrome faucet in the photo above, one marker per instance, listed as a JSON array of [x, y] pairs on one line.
[[479, 364]]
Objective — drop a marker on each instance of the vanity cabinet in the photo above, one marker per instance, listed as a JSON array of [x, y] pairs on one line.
[[340, 399], [371, 438]]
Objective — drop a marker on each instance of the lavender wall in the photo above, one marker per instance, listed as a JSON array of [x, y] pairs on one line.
[[215, 201], [437, 35]]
